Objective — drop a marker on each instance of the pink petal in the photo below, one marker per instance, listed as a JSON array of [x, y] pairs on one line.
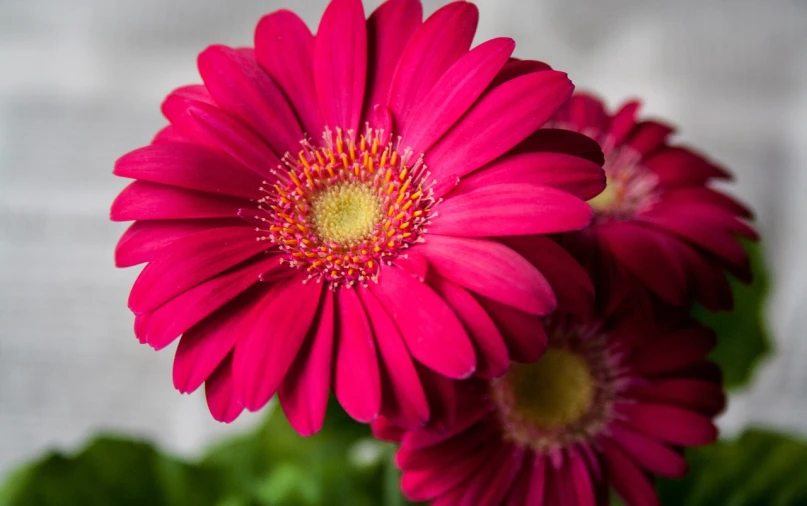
[[492, 486], [523, 333], [468, 410], [179, 314], [648, 136], [517, 68], [304, 392], [245, 91], [627, 479], [145, 240], [669, 423], [414, 262], [169, 134], [556, 140], [423, 485], [491, 269], [432, 332], [389, 29], [569, 281], [587, 114], [142, 200], [622, 124], [442, 396], [221, 399], [340, 59], [455, 92], [673, 351], [385, 430], [582, 178], [517, 495], [510, 209], [189, 261], [650, 256], [357, 379], [409, 405], [284, 48], [446, 452], [272, 336], [708, 196], [537, 489], [580, 480], [708, 398], [500, 119], [709, 282], [444, 37], [491, 352], [189, 166], [652, 455], [679, 167], [205, 345]]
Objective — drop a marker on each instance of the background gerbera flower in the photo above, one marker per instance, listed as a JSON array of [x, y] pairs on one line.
[[321, 210], [659, 221], [610, 404]]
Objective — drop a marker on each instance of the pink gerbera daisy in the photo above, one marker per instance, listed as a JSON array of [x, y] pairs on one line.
[[320, 210], [659, 221], [608, 405]]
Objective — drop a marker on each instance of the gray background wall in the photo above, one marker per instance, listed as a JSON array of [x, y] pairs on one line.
[[81, 82]]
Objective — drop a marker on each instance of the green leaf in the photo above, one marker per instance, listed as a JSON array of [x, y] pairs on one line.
[[742, 333], [760, 468], [111, 471]]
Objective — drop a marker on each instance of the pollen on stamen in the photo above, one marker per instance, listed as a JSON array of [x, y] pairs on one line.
[[341, 209]]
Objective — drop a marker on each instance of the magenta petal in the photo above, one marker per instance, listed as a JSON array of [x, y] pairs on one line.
[[580, 481], [179, 314], [491, 269], [628, 480], [537, 490], [588, 114], [221, 399], [500, 119], [654, 456], [569, 281], [679, 167], [554, 140], [304, 392], [517, 68], [455, 92], [491, 352], [444, 37], [668, 423], [284, 48], [142, 200], [491, 483], [244, 90], [204, 346], [621, 124], [169, 134], [340, 59], [414, 262], [432, 332], [189, 166], [409, 407], [189, 261], [357, 379], [389, 29], [144, 240], [421, 485], [706, 397], [673, 351], [441, 393], [510, 209], [523, 333], [572, 174], [272, 336], [648, 136]]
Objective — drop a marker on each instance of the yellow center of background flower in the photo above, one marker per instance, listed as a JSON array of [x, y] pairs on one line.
[[346, 214], [553, 392], [607, 198]]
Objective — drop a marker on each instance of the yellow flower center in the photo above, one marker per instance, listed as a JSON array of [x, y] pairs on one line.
[[608, 197], [553, 392], [346, 213]]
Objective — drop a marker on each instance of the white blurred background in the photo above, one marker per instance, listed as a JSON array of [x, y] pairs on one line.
[[81, 82]]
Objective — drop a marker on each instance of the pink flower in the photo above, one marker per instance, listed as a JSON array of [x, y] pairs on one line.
[[608, 405], [319, 213], [658, 222]]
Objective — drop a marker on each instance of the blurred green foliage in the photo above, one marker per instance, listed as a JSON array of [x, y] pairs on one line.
[[742, 333]]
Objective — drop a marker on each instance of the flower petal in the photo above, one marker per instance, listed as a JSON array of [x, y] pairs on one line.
[[142, 200], [389, 29], [432, 332], [706, 397], [455, 92], [555, 140], [284, 48], [523, 333], [191, 260], [652, 455], [189, 166], [490, 269], [221, 399], [340, 59], [628, 480], [668, 423], [409, 406], [679, 167], [304, 392], [357, 380], [272, 336], [435, 46], [510, 209], [500, 119], [517, 68], [673, 351]]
